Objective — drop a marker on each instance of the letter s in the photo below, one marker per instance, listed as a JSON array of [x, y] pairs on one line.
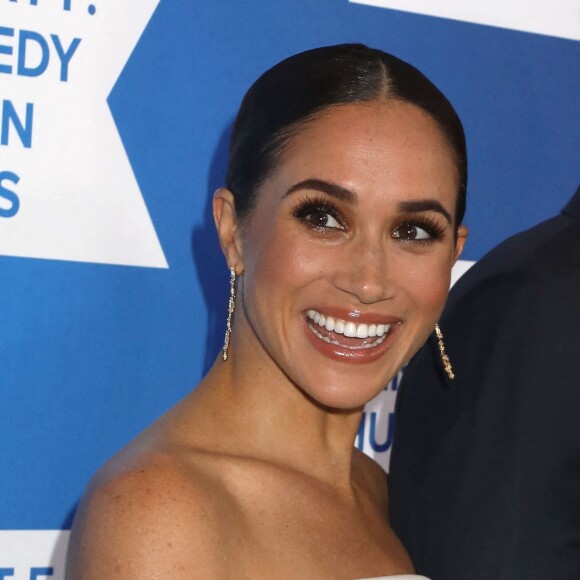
[[8, 194]]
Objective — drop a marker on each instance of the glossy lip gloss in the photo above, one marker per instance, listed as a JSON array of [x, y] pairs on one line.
[[352, 350]]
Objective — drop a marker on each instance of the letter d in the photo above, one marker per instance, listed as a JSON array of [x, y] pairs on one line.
[[32, 71]]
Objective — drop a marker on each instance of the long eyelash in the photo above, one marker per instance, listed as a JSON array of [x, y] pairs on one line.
[[310, 205], [430, 225]]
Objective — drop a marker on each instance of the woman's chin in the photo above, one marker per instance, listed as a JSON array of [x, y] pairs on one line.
[[342, 395]]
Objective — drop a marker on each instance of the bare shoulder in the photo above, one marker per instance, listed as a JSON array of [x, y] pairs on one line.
[[159, 517], [374, 478]]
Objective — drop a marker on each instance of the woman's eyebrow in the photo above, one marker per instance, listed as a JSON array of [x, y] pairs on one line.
[[332, 189], [421, 205]]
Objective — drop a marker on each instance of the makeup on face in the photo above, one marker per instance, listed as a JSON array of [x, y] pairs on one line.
[[420, 221], [348, 256], [350, 336]]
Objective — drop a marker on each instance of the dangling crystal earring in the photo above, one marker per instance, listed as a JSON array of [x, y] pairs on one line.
[[444, 358], [231, 308]]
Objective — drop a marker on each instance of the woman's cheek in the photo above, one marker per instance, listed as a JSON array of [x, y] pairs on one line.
[[274, 264], [429, 297]]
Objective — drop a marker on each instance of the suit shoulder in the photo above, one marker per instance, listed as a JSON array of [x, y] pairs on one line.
[[547, 251]]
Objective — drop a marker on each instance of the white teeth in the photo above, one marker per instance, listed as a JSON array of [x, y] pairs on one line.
[[350, 347], [362, 331], [349, 329]]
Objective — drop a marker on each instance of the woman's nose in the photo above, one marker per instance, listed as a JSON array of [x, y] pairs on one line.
[[364, 272]]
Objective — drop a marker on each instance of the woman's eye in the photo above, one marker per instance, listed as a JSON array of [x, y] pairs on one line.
[[319, 215], [411, 232], [323, 219]]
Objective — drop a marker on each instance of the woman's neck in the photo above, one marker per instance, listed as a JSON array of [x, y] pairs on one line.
[[256, 411]]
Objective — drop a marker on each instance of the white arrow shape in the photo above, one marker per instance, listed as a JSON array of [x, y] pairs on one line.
[[554, 18], [79, 199]]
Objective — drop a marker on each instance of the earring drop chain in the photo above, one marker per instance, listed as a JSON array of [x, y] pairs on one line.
[[444, 358], [231, 308]]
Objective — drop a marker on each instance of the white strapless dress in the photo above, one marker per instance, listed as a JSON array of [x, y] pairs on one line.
[[401, 577]]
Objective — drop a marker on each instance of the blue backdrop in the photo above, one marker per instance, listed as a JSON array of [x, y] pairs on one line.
[[90, 353]]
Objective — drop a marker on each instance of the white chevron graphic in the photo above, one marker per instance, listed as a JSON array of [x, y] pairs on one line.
[[77, 196]]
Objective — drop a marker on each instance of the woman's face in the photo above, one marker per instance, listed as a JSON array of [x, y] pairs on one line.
[[347, 254]]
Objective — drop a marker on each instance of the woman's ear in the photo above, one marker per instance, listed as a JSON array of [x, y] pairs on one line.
[[226, 223], [462, 232]]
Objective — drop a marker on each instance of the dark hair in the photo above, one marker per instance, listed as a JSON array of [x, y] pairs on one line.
[[295, 90]]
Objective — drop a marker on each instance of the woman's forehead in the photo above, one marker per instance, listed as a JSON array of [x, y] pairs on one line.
[[369, 146]]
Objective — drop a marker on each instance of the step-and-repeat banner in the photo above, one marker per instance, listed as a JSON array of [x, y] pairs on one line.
[[114, 124]]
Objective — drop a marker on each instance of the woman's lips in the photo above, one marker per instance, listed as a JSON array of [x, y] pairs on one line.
[[348, 328], [349, 341]]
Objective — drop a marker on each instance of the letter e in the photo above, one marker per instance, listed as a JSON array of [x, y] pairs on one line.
[[35, 573]]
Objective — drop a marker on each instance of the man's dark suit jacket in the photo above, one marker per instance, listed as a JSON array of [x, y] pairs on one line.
[[485, 469]]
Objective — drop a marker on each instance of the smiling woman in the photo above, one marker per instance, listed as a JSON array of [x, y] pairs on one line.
[[341, 221]]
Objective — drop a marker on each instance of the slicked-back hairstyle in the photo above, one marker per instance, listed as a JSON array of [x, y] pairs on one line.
[[296, 90]]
